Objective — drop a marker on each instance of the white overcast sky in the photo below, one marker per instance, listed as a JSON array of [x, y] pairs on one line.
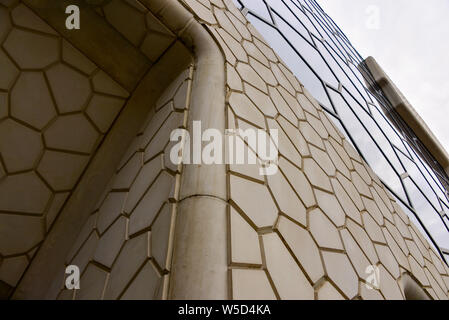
[[411, 43]]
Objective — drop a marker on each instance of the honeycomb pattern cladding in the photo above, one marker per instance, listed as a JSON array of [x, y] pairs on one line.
[[137, 24], [123, 249], [55, 108], [310, 231]]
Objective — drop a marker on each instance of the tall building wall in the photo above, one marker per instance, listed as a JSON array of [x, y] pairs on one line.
[[152, 230]]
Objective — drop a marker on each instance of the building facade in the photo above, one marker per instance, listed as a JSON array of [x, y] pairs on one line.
[[356, 210]]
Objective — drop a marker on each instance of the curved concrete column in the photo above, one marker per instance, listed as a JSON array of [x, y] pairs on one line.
[[208, 93], [199, 265]]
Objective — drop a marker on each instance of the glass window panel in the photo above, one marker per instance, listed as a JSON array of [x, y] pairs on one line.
[[373, 128], [413, 171], [429, 174], [365, 144], [386, 126], [356, 85], [338, 55], [446, 222], [410, 149], [348, 48], [295, 62], [308, 5], [258, 7], [339, 67], [430, 218], [357, 79], [334, 65], [302, 17], [342, 43], [308, 53], [321, 19], [332, 39], [356, 94], [327, 35], [330, 23], [283, 12], [431, 178]]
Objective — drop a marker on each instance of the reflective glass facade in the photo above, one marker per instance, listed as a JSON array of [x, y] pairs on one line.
[[326, 63]]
